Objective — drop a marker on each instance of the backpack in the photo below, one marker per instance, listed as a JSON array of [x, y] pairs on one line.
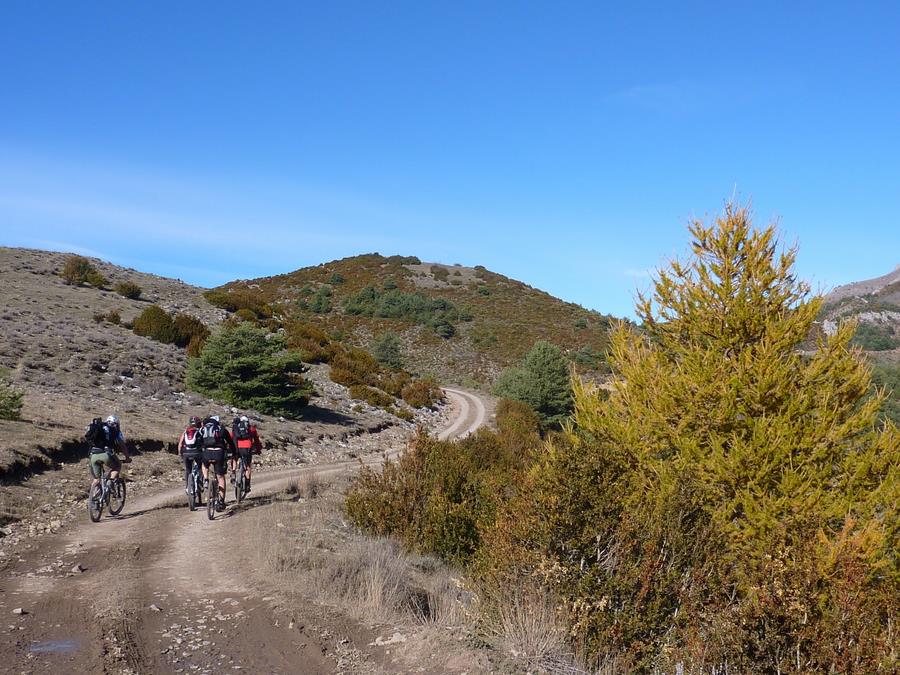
[[193, 440], [241, 430], [97, 433], [212, 434]]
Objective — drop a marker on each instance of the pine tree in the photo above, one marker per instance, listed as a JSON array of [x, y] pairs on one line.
[[731, 495], [249, 368], [542, 381], [386, 350]]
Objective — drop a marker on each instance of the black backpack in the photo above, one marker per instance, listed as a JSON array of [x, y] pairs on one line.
[[241, 430], [97, 433], [212, 434]]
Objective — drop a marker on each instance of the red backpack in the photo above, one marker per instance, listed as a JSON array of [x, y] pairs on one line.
[[193, 440]]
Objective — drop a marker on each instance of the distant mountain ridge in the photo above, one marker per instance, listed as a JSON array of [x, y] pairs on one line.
[[866, 287], [875, 304], [461, 324]]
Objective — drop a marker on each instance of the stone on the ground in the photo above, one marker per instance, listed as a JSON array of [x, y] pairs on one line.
[[20, 611]]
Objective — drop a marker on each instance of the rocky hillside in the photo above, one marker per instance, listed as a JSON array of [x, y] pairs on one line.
[[460, 324], [71, 366], [875, 303]]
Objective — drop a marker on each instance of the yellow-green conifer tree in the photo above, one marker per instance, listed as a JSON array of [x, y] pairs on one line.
[[731, 499]]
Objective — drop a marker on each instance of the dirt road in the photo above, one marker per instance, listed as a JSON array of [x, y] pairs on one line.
[[160, 589], [471, 414]]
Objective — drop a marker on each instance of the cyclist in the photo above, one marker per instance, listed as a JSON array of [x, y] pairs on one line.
[[105, 437], [216, 441], [190, 449], [247, 444]]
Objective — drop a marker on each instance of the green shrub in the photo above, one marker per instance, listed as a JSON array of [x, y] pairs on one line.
[[424, 393], [336, 279], [96, 279], [439, 273], [313, 343], [371, 395], [76, 269], [354, 366], [10, 402], [386, 350], [321, 302], [112, 317], [190, 331], [876, 338], [128, 289], [437, 313], [235, 299], [440, 496], [542, 381], [181, 330], [887, 377], [248, 368], [154, 322], [245, 314], [402, 413]]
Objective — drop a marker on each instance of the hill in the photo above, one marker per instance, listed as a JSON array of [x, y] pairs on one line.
[[875, 303], [72, 364], [460, 324]]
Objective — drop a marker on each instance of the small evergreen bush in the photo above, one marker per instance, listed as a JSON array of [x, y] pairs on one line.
[[542, 381], [248, 368], [78, 270], [128, 289], [424, 393], [371, 395], [10, 402], [386, 350], [156, 323]]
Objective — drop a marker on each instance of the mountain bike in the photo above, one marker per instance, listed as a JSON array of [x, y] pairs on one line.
[[109, 493], [240, 480], [212, 491], [195, 487]]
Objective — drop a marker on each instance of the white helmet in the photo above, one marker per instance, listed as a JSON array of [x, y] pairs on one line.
[[214, 417], [112, 419], [244, 418]]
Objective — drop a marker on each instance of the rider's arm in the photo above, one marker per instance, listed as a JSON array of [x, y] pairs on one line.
[[257, 444], [121, 445], [180, 444]]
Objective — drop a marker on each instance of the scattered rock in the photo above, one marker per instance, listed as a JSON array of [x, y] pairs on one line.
[[78, 569], [19, 611], [155, 608]]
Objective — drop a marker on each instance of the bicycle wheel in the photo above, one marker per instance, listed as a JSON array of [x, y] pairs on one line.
[[95, 503], [192, 497], [239, 484], [212, 496], [116, 496]]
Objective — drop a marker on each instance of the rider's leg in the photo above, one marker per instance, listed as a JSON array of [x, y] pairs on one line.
[[96, 472]]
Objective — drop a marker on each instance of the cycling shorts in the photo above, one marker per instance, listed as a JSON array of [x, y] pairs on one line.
[[246, 453], [99, 458], [216, 455]]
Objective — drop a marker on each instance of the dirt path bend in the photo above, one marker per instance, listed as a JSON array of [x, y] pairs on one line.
[[161, 589], [471, 414]]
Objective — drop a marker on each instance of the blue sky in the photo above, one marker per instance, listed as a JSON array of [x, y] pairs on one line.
[[564, 144]]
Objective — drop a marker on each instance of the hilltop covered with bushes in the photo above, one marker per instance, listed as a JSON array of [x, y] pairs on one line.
[[457, 323]]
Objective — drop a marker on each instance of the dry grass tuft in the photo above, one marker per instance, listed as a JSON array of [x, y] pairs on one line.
[[315, 555]]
